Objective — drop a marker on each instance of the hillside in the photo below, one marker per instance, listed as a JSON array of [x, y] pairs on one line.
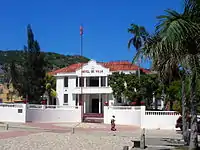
[[55, 60]]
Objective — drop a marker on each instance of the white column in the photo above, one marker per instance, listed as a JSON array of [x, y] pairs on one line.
[[84, 81], [99, 81], [84, 104], [162, 104], [99, 103], [47, 101], [78, 97], [154, 101], [106, 81]]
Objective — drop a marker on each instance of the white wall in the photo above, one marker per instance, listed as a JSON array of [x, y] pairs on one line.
[[70, 90], [160, 119], [137, 116], [39, 113], [124, 115], [60, 90], [57, 114], [11, 113]]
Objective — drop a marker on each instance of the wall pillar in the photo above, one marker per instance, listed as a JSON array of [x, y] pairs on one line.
[[142, 121], [77, 99], [84, 104], [99, 103]]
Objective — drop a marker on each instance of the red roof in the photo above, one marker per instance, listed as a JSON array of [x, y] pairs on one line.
[[113, 66]]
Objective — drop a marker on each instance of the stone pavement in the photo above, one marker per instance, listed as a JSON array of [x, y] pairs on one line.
[[87, 136]]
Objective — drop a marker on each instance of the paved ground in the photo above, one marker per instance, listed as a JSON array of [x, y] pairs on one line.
[[38, 136]]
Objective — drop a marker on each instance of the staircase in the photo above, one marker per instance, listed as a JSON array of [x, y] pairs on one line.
[[93, 118]]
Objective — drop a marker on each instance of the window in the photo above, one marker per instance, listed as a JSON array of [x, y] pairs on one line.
[[65, 98], [119, 100], [76, 99], [103, 81], [81, 81], [66, 82], [92, 81]]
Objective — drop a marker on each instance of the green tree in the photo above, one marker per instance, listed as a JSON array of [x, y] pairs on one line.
[[116, 81], [50, 86], [149, 84], [177, 40], [139, 36], [173, 92], [30, 80], [133, 88], [179, 30]]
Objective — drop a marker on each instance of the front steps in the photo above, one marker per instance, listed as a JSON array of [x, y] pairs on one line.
[[93, 118]]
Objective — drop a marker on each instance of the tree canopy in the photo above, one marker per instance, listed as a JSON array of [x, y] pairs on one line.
[[134, 88], [29, 81], [175, 46]]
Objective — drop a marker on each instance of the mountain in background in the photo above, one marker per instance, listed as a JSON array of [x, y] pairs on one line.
[[55, 60]]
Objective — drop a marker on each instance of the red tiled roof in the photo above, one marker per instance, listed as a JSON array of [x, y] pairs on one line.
[[113, 66]]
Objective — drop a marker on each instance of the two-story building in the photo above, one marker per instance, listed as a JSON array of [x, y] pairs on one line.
[[87, 84]]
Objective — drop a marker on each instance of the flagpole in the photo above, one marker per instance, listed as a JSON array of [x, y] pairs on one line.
[[81, 40], [80, 81]]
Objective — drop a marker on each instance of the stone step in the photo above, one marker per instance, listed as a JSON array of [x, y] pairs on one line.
[[93, 120], [95, 115]]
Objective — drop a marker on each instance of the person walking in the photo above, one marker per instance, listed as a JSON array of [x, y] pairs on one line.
[[113, 123]]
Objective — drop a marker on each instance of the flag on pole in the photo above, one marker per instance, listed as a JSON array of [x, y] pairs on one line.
[[81, 30]]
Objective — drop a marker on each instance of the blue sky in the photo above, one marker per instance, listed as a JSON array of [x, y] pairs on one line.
[[56, 24]]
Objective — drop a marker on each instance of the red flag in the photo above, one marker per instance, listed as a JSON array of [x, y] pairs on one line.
[[81, 30]]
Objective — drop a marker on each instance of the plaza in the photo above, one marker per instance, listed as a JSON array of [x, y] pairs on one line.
[[60, 137]]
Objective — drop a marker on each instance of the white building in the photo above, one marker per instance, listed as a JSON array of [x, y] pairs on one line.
[[87, 84]]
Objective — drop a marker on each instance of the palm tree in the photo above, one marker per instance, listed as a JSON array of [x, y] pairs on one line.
[[176, 44], [50, 85], [179, 37], [139, 36], [180, 31]]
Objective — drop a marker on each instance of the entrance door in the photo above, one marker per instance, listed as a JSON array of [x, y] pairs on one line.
[[95, 105]]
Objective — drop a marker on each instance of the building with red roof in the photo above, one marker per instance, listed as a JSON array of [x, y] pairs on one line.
[[87, 83]]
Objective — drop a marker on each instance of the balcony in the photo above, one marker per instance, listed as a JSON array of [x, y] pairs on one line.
[[92, 90]]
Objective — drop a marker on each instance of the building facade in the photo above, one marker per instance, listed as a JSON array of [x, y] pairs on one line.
[[87, 84]]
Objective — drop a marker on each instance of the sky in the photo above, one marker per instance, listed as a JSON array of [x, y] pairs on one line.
[[56, 23]]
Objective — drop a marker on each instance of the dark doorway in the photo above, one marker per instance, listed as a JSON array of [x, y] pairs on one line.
[[95, 105]]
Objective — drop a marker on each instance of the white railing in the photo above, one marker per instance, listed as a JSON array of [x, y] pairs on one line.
[[32, 106], [159, 113], [12, 105], [66, 106], [124, 107]]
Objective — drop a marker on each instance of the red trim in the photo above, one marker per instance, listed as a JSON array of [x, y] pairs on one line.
[[113, 66]]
